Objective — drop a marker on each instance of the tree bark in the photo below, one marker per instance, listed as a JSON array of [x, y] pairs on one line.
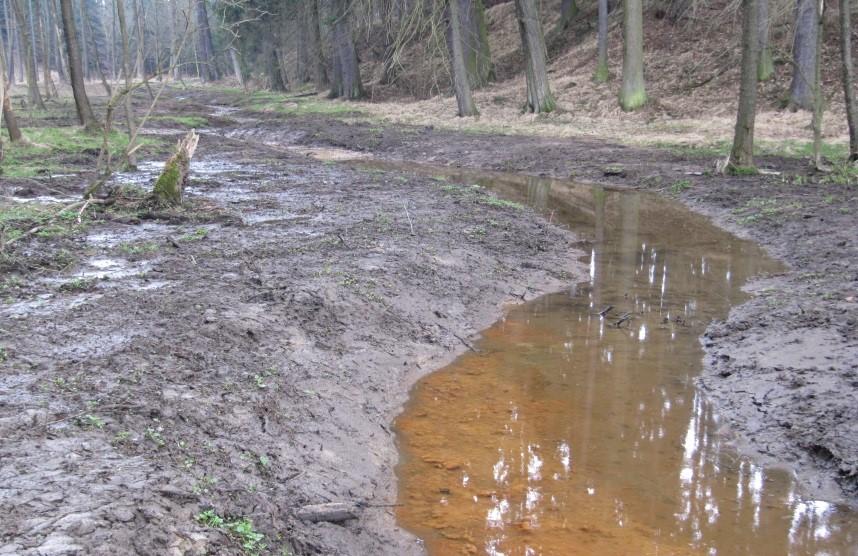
[[633, 90], [171, 183], [141, 39], [766, 65], [539, 97], [347, 81], [601, 75], [209, 70], [320, 71], [302, 54], [57, 42], [461, 79], [8, 115], [34, 97], [236, 65], [41, 17], [568, 11], [742, 153], [475, 43], [804, 54], [846, 76], [84, 110], [131, 159]]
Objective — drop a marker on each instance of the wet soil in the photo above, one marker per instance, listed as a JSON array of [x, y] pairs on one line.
[[782, 367], [251, 364], [258, 366]]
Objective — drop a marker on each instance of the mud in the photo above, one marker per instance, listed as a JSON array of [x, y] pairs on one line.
[[249, 366], [783, 367], [257, 367]]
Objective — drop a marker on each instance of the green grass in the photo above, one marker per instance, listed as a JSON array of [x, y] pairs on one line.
[[138, 248], [268, 101], [18, 218], [240, 529], [187, 121], [788, 148], [48, 146]]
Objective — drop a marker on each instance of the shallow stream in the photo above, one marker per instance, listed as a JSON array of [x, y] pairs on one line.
[[574, 432]]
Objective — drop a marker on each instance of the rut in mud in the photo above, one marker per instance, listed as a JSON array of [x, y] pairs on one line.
[[252, 361], [251, 365]]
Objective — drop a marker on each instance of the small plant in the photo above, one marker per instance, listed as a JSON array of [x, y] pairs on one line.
[[196, 235], [239, 529], [141, 248], [680, 185], [260, 381], [76, 285], [155, 436], [493, 201], [203, 485], [121, 437], [89, 421], [3, 355]]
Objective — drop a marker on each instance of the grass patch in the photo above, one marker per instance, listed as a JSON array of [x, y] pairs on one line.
[[240, 529], [187, 121], [268, 101], [49, 145], [493, 201], [139, 248], [17, 218]]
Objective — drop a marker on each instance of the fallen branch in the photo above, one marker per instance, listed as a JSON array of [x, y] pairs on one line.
[[331, 512]]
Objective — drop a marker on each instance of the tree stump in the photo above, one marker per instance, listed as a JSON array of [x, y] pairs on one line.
[[168, 189]]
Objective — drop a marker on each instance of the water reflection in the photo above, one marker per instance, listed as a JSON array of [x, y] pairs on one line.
[[577, 428]]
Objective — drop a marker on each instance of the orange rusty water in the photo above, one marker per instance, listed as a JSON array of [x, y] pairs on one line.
[[566, 434]]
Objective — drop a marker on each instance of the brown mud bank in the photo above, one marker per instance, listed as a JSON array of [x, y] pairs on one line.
[[783, 367], [249, 365]]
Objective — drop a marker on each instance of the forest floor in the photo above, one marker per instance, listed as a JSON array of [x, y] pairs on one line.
[[248, 353]]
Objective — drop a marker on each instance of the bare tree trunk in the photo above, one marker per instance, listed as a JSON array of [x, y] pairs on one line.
[[539, 97], [347, 82], [766, 65], [236, 65], [818, 100], [320, 71], [8, 115], [302, 54], [141, 39], [60, 59], [34, 97], [84, 110], [92, 20], [209, 70], [41, 17], [170, 185], [461, 80], [804, 54], [475, 43], [84, 41], [568, 11], [131, 159], [633, 90], [742, 153], [601, 75], [846, 75]]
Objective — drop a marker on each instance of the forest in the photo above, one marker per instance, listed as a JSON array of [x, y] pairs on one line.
[[502, 277]]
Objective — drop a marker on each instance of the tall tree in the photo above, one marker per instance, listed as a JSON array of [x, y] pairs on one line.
[[807, 15], [139, 25], [34, 97], [84, 110], [633, 90], [766, 65], [347, 81], [846, 75], [475, 42], [601, 75], [742, 153], [539, 97], [41, 17], [7, 114], [126, 74], [205, 46], [568, 11], [461, 79], [320, 71]]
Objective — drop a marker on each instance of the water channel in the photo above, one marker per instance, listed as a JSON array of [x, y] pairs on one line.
[[571, 432]]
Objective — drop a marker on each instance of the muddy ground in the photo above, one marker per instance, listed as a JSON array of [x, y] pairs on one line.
[[783, 368], [249, 355]]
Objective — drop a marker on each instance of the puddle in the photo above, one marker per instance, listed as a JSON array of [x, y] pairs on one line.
[[45, 199], [144, 231], [567, 434]]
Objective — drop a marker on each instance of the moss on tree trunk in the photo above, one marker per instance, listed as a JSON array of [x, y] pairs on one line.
[[171, 183]]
